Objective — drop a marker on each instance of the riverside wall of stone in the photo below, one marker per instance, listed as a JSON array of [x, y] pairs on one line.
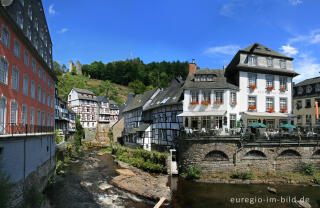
[[216, 155]]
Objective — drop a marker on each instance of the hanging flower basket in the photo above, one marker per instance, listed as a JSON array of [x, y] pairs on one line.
[[252, 107], [218, 102], [252, 87], [283, 89], [204, 102], [283, 109], [270, 88], [194, 103], [270, 110]]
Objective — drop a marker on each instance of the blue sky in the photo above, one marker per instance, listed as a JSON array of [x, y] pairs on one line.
[[210, 31]]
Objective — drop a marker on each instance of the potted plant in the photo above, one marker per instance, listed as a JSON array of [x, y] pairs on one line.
[[270, 110], [252, 107], [283, 109], [252, 87], [218, 102], [283, 89], [270, 88], [205, 102], [194, 103]]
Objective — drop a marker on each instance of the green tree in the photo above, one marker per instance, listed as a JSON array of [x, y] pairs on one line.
[[79, 134], [5, 188], [137, 86]]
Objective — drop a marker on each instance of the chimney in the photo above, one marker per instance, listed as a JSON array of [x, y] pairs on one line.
[[192, 67]]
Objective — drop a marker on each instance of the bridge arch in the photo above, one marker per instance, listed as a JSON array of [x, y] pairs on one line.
[[289, 154], [216, 155], [254, 155]]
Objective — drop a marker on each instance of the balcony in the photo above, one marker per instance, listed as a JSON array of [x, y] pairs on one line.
[[24, 130]]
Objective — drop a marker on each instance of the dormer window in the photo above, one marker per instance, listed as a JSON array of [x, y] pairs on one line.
[[283, 64], [210, 78], [300, 90], [30, 12], [317, 88], [252, 60], [309, 89], [269, 62], [20, 19]]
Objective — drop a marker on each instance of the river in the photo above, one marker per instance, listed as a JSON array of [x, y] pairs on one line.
[[86, 185]]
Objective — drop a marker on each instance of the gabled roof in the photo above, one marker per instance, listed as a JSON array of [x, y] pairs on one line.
[[220, 81], [168, 96], [83, 91], [102, 99], [140, 99], [310, 81], [260, 49], [113, 105]]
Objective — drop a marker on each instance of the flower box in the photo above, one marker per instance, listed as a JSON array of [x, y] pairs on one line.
[[283, 109], [270, 88], [194, 103], [283, 89], [270, 110], [234, 103], [218, 102], [252, 107], [252, 87], [204, 102]]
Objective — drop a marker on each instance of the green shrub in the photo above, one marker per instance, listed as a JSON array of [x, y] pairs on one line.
[[57, 137], [108, 149], [309, 169], [34, 198], [193, 173], [5, 189], [316, 181], [243, 175]]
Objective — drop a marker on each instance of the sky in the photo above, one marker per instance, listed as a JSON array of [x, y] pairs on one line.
[[209, 31]]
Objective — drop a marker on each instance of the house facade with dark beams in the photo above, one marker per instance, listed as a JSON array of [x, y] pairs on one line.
[[27, 84], [305, 96], [264, 78]]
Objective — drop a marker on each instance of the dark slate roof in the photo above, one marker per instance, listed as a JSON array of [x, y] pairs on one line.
[[86, 92], [130, 97], [102, 99], [140, 99], [168, 96], [310, 81], [260, 49], [83, 91], [113, 105], [219, 83], [267, 70]]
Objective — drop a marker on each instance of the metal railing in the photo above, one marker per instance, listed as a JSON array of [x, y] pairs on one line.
[[13, 129]]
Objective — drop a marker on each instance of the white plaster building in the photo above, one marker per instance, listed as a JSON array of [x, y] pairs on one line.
[[264, 78]]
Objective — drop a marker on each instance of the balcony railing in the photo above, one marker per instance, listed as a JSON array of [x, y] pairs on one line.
[[14, 129]]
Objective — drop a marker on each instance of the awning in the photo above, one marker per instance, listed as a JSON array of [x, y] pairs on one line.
[[266, 114], [205, 113]]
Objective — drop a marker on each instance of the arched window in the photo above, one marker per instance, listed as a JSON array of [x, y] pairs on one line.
[[3, 103], [5, 36], [3, 70], [14, 112]]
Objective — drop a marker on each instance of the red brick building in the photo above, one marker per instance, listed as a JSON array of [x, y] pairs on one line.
[[26, 74]]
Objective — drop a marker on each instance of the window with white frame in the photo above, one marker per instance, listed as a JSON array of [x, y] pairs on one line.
[[25, 87], [24, 114], [194, 96], [43, 96], [39, 94], [5, 36], [33, 89], [308, 119], [283, 64], [299, 119], [14, 113], [3, 70], [26, 58], [269, 103], [233, 119], [283, 104], [16, 48], [269, 80], [252, 60], [252, 78], [309, 89], [43, 118], [283, 83], [206, 95], [39, 118], [252, 100], [219, 96], [33, 66], [20, 19], [32, 116], [269, 62], [3, 105], [233, 98]]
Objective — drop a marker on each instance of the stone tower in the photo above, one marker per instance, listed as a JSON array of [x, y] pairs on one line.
[[78, 67], [71, 66]]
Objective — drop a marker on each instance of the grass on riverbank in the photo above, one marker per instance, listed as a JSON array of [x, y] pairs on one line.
[[151, 161]]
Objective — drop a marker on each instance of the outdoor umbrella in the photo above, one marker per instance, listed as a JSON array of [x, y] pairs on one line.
[[257, 125], [287, 126]]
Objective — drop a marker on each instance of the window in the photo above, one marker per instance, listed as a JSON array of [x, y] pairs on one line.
[[32, 116], [43, 96], [206, 96], [252, 79], [317, 88], [14, 113], [233, 98], [299, 119], [51, 120], [300, 90], [44, 76], [15, 78], [35, 42], [24, 114], [36, 24], [233, 121], [48, 100], [309, 89], [252, 103], [299, 104], [39, 94], [219, 97], [2, 113], [43, 119], [252, 60], [22, 2], [39, 118], [269, 80], [5, 36], [283, 105], [48, 119], [283, 64], [283, 83], [33, 89], [269, 62], [206, 122], [25, 85], [194, 96], [308, 103], [39, 72], [52, 101], [26, 58], [29, 32], [3, 70], [270, 104], [16, 48], [48, 82], [210, 78], [20, 19], [30, 12], [308, 119], [33, 66]]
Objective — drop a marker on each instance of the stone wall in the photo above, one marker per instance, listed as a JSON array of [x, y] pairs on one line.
[[117, 129], [230, 154]]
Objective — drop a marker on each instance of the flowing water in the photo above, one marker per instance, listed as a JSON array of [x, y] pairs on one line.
[[86, 185]]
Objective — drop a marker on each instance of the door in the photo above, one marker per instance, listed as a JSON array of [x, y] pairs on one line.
[[270, 124]]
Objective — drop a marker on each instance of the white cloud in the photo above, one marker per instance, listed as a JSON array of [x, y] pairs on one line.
[[63, 30], [312, 38], [51, 10], [227, 50], [295, 2], [307, 66], [289, 50]]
